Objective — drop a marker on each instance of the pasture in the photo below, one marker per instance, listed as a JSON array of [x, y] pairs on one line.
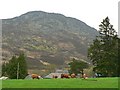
[[62, 83]]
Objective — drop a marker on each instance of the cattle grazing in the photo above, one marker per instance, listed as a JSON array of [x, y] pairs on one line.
[[35, 76], [73, 75], [65, 76]]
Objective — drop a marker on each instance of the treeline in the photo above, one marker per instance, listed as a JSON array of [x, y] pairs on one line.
[[16, 68]]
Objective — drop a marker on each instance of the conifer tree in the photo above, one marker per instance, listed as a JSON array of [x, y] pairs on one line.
[[12, 68], [22, 68], [104, 50]]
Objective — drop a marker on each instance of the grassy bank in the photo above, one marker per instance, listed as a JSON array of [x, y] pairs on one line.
[[62, 83]]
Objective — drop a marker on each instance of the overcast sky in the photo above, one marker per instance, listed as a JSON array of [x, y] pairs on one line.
[[92, 12]]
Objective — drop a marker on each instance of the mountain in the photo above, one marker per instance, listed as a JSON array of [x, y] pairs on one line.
[[49, 40]]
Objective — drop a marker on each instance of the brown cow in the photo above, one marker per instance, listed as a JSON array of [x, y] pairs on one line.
[[65, 76], [35, 76]]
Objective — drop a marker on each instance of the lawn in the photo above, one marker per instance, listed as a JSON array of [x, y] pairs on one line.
[[62, 83]]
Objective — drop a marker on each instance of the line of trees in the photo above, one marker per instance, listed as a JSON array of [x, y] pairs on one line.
[[104, 50], [16, 68]]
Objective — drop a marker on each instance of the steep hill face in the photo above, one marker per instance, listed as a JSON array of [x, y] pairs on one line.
[[48, 40]]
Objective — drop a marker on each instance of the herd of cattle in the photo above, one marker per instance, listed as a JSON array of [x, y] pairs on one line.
[[35, 76]]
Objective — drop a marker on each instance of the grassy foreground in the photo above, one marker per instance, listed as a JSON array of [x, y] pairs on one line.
[[62, 83]]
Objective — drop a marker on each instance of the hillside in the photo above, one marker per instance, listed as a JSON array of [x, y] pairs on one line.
[[48, 40]]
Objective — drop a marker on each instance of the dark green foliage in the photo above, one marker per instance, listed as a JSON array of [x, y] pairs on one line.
[[12, 68], [22, 66], [4, 69], [16, 67], [104, 50], [77, 66]]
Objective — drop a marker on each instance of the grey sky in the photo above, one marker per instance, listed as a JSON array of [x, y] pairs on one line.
[[92, 12]]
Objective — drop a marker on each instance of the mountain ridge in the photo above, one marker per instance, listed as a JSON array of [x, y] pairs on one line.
[[48, 13]]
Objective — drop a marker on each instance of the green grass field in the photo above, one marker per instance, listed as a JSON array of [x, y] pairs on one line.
[[62, 83]]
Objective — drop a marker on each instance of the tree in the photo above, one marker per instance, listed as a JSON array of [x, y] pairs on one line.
[[22, 68], [77, 66], [4, 73], [104, 50], [17, 67], [12, 68]]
